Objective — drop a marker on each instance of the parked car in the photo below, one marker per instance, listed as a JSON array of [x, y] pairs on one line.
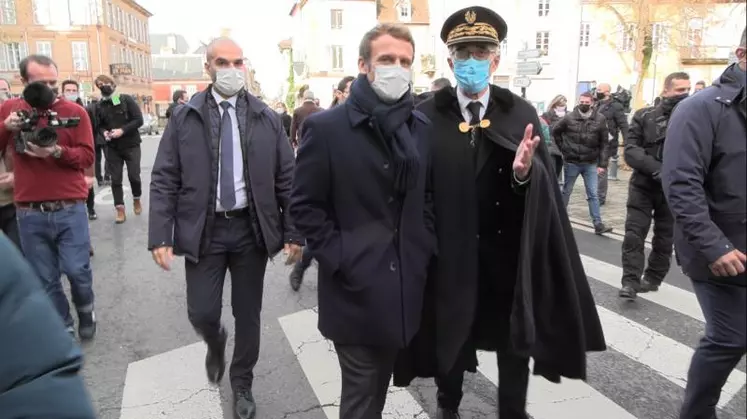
[[150, 125]]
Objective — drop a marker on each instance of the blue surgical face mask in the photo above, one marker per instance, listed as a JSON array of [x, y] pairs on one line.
[[472, 75]]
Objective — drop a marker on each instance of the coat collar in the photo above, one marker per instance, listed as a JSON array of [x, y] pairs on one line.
[[503, 98], [198, 101]]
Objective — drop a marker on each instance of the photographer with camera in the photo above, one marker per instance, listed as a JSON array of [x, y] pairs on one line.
[[118, 119], [51, 148]]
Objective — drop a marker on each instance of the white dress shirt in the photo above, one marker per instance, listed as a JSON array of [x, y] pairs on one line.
[[239, 184], [464, 101]]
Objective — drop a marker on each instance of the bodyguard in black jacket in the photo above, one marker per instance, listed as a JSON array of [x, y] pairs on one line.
[[617, 124], [118, 119], [643, 152]]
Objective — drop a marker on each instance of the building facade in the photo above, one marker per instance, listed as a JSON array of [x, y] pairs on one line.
[[85, 38], [696, 37], [415, 14], [325, 41]]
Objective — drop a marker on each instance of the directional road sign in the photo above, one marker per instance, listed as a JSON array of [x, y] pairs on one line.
[[528, 68], [529, 53], [522, 82]]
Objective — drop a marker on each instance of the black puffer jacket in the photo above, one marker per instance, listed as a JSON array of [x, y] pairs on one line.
[[582, 140]]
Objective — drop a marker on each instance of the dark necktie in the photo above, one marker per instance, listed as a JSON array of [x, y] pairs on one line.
[[227, 191], [474, 110]]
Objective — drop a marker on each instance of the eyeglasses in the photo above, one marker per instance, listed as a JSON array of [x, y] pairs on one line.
[[478, 52]]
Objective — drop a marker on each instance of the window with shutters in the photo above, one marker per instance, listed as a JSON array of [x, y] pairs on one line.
[[8, 12], [80, 56], [585, 34], [404, 10], [11, 54], [44, 48], [660, 36], [544, 8], [335, 18], [626, 37], [337, 61], [543, 42]]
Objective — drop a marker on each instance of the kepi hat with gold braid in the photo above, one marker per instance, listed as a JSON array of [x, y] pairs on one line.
[[472, 25]]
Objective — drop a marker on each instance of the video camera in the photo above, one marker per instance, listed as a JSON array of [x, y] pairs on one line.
[[40, 97]]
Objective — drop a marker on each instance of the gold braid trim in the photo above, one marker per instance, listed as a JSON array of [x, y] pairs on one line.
[[466, 30]]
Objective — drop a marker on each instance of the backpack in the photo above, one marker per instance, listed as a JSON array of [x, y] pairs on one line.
[[623, 97]]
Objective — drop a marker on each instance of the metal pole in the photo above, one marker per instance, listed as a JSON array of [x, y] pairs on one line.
[[524, 92]]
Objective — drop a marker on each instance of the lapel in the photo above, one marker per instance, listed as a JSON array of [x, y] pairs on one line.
[[498, 112]]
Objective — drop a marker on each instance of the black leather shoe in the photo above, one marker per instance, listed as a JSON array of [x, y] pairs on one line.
[[215, 360], [443, 413], [296, 277], [628, 293], [244, 406], [648, 286]]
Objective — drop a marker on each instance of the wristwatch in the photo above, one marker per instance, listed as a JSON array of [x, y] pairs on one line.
[[57, 153]]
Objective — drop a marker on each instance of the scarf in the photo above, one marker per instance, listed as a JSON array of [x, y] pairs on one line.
[[390, 124]]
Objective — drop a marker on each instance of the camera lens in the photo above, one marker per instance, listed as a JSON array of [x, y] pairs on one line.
[[45, 137]]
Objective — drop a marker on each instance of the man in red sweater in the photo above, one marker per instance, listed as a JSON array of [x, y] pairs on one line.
[[50, 193]]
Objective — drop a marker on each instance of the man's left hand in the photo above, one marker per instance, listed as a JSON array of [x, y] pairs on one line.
[[525, 153], [34, 150], [116, 133], [293, 252], [6, 180], [601, 170], [89, 181]]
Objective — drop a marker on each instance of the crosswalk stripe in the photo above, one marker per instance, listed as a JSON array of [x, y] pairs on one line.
[[319, 363], [668, 296], [571, 399], [664, 355]]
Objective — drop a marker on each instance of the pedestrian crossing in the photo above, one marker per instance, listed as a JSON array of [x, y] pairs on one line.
[[650, 344]]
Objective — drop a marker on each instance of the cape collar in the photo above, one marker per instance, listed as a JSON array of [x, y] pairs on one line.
[[503, 98]]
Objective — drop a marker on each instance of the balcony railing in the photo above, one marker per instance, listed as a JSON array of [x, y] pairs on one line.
[[705, 52]]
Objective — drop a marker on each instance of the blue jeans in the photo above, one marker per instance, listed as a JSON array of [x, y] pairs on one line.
[[57, 243], [588, 172], [720, 350]]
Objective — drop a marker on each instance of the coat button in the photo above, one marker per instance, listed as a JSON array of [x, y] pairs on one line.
[[500, 170], [497, 204], [396, 230], [477, 237], [390, 200], [392, 267], [500, 231], [386, 166]]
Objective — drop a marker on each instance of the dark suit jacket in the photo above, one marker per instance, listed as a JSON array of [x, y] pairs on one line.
[[185, 172], [373, 246]]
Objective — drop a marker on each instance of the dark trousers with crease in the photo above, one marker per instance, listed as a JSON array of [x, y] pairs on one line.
[[233, 249], [366, 371], [9, 225], [513, 381], [100, 157]]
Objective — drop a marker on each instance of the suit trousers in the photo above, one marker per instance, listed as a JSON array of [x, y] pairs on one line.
[[232, 248], [513, 382], [9, 225], [720, 350], [366, 371]]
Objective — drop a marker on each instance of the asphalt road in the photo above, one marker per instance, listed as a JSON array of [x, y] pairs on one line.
[[141, 313]]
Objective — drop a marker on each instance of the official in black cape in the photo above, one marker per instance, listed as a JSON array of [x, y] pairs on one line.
[[508, 277]]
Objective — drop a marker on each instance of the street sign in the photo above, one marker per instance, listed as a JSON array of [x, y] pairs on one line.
[[528, 68], [529, 53], [523, 82]]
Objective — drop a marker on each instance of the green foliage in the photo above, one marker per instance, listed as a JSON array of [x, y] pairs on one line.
[[290, 98]]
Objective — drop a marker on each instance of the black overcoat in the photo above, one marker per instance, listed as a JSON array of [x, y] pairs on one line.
[[372, 244], [508, 275]]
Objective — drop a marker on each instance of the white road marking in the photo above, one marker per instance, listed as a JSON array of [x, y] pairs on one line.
[[571, 399], [664, 355], [171, 385], [319, 363], [104, 196], [668, 296]]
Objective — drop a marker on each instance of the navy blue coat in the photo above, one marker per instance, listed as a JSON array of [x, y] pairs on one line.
[[373, 248], [39, 361], [185, 175], [704, 174]]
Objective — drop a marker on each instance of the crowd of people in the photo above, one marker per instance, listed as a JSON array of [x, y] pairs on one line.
[[436, 220]]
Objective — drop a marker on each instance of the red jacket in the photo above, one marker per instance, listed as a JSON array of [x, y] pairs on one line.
[[51, 179]]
